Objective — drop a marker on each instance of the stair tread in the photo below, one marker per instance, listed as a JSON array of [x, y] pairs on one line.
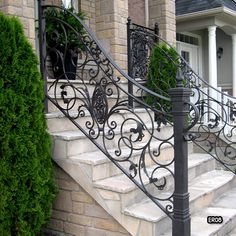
[[69, 135], [120, 184], [97, 157], [147, 210], [224, 206]]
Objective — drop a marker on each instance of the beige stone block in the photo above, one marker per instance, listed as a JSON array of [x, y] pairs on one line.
[[56, 225], [59, 215], [12, 10], [80, 219], [82, 197], [122, 230], [107, 224], [78, 207], [95, 232], [68, 185], [107, 7], [31, 28], [61, 174], [14, 3], [146, 228], [95, 210], [119, 234], [28, 12], [31, 3], [63, 201], [74, 229], [108, 195]]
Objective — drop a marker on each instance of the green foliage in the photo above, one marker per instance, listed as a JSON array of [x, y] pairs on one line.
[[26, 176], [162, 74], [55, 30]]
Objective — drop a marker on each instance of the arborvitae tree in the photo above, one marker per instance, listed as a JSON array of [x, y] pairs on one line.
[[26, 176], [161, 76]]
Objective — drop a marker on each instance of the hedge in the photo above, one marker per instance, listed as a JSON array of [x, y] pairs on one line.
[[26, 177]]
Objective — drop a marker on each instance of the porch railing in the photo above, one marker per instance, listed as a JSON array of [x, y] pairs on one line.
[[87, 86]]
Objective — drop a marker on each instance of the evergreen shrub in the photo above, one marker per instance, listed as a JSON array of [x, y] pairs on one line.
[[26, 176], [162, 74]]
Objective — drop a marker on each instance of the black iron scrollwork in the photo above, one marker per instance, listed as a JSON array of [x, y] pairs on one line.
[[97, 103]]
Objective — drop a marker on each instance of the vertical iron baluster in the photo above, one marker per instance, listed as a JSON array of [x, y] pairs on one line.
[[129, 51]]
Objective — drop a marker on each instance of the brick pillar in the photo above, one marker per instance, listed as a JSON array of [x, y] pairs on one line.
[[25, 10], [163, 12], [111, 18]]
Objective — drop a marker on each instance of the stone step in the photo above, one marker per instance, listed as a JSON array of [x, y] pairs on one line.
[[224, 206], [203, 190], [57, 121], [130, 194], [71, 143], [99, 166]]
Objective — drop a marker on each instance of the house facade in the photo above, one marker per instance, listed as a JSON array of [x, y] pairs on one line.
[[203, 36]]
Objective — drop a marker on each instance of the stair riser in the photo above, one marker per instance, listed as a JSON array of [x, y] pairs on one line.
[[200, 203], [109, 169], [135, 195], [58, 124], [64, 149], [208, 198], [227, 228]]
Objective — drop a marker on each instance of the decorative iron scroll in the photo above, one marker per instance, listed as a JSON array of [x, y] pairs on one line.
[[96, 101], [141, 41], [212, 124]]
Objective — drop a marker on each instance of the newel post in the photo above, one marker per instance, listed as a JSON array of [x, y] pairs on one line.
[[180, 97]]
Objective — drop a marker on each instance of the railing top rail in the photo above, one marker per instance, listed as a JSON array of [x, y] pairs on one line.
[[141, 26]]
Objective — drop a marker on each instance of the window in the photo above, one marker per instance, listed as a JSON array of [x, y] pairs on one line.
[[185, 55], [187, 39]]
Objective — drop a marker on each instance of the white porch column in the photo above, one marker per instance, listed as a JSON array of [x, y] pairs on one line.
[[212, 56], [234, 63], [212, 64]]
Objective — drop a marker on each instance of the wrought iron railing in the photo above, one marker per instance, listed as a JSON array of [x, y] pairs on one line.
[[91, 90], [95, 89], [140, 41], [212, 113]]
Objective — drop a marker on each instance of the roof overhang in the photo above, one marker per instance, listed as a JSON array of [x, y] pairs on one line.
[[222, 17]]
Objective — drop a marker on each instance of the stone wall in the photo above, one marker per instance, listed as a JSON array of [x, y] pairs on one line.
[[88, 6], [25, 10], [111, 18], [137, 11], [163, 12], [76, 213]]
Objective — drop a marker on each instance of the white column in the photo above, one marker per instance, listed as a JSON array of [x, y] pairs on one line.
[[212, 65], [212, 56], [234, 63]]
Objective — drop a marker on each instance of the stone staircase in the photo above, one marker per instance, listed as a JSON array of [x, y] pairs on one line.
[[212, 191]]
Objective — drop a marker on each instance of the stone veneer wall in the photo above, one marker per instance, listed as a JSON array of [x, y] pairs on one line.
[[137, 11], [88, 6], [163, 12], [25, 10], [111, 18], [76, 213]]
